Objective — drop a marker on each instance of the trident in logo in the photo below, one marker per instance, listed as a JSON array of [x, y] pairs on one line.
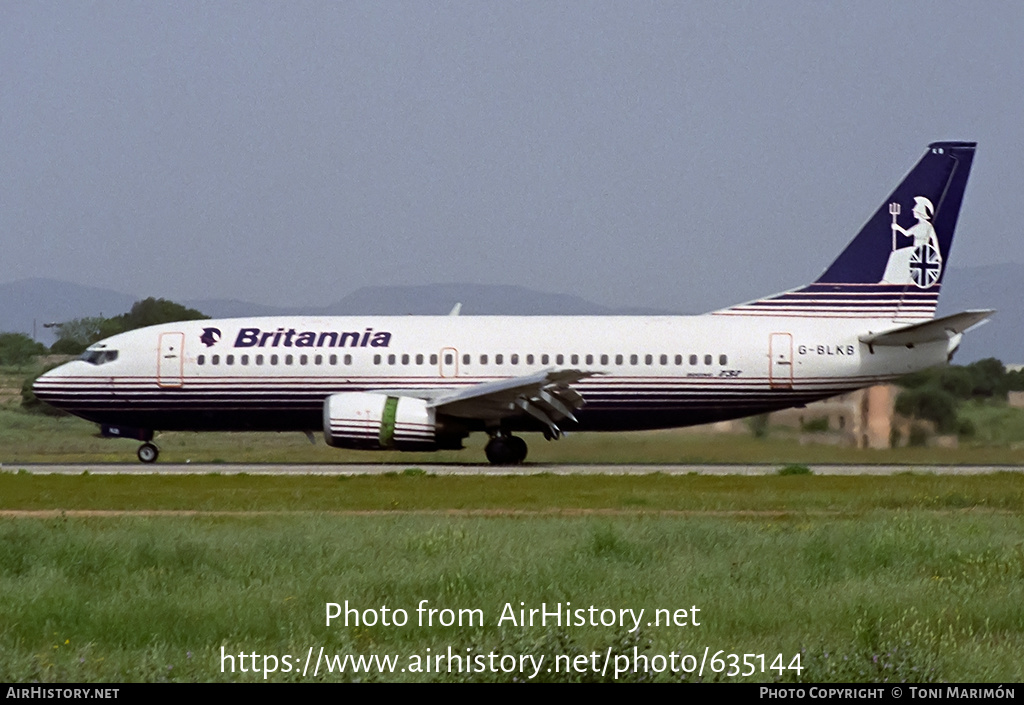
[[894, 210]]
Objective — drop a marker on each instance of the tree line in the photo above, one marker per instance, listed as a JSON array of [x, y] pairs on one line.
[[936, 394], [73, 337]]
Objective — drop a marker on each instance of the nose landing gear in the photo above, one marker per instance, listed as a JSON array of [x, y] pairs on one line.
[[148, 453]]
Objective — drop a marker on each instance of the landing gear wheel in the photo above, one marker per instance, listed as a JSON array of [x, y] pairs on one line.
[[506, 450], [518, 448], [148, 453]]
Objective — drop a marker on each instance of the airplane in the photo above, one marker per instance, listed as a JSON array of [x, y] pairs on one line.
[[423, 383]]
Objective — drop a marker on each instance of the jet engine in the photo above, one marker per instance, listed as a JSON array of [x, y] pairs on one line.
[[376, 421]]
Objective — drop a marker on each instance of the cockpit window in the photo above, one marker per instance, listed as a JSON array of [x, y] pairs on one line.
[[98, 357]]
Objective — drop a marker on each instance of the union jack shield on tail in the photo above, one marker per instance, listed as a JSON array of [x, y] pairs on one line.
[[925, 266]]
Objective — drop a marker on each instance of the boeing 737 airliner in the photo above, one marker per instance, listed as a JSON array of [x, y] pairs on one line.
[[424, 383]]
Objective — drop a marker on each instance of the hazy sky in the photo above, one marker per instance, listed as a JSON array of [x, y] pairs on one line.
[[674, 155]]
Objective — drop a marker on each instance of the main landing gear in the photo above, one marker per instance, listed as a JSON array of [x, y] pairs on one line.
[[148, 453], [504, 449]]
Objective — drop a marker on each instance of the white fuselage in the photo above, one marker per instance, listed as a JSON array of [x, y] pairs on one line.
[[649, 372]]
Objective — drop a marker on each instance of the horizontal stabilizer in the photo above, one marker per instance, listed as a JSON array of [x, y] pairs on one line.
[[929, 331]]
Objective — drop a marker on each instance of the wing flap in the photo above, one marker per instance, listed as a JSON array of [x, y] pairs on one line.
[[546, 396]]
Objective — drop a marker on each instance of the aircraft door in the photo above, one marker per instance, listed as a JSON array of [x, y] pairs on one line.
[[449, 362], [780, 360], [171, 359]]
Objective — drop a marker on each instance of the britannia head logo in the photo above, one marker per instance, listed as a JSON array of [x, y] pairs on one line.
[[210, 336]]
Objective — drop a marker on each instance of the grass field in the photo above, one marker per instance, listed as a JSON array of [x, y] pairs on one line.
[[910, 577]]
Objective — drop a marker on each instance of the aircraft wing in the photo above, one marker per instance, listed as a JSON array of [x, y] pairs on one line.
[[546, 396], [929, 331]]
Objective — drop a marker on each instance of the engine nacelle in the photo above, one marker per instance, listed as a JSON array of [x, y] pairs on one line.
[[371, 421]]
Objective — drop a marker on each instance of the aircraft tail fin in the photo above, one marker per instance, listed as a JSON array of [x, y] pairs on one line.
[[894, 267]]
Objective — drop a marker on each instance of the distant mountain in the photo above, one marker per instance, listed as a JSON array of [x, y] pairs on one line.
[[430, 300], [476, 300], [231, 308], [42, 301], [47, 300]]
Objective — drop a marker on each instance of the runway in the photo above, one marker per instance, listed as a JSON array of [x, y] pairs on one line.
[[528, 469]]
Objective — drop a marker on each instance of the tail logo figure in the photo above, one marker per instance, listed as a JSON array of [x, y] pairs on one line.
[[918, 262]]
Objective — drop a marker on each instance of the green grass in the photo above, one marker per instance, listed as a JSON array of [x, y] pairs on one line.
[[156, 598], [830, 494], [995, 424], [910, 577]]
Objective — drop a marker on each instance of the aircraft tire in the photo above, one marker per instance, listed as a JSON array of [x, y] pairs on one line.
[[148, 453], [506, 450], [518, 448]]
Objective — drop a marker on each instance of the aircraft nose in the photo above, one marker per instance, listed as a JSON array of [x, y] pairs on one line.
[[48, 385]]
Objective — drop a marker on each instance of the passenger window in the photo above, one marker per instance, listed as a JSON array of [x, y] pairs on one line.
[[201, 360], [679, 359], [273, 359], [229, 360], [288, 359], [529, 359], [618, 359], [465, 359], [448, 358], [664, 359], [259, 359], [649, 359], [514, 358], [498, 359], [245, 359], [333, 359], [693, 359], [391, 359], [318, 360], [483, 359], [559, 359], [633, 359], [376, 359], [544, 359], [707, 359], [590, 359], [405, 359], [215, 360], [604, 359], [723, 359], [419, 359], [433, 359], [348, 359], [303, 359]]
